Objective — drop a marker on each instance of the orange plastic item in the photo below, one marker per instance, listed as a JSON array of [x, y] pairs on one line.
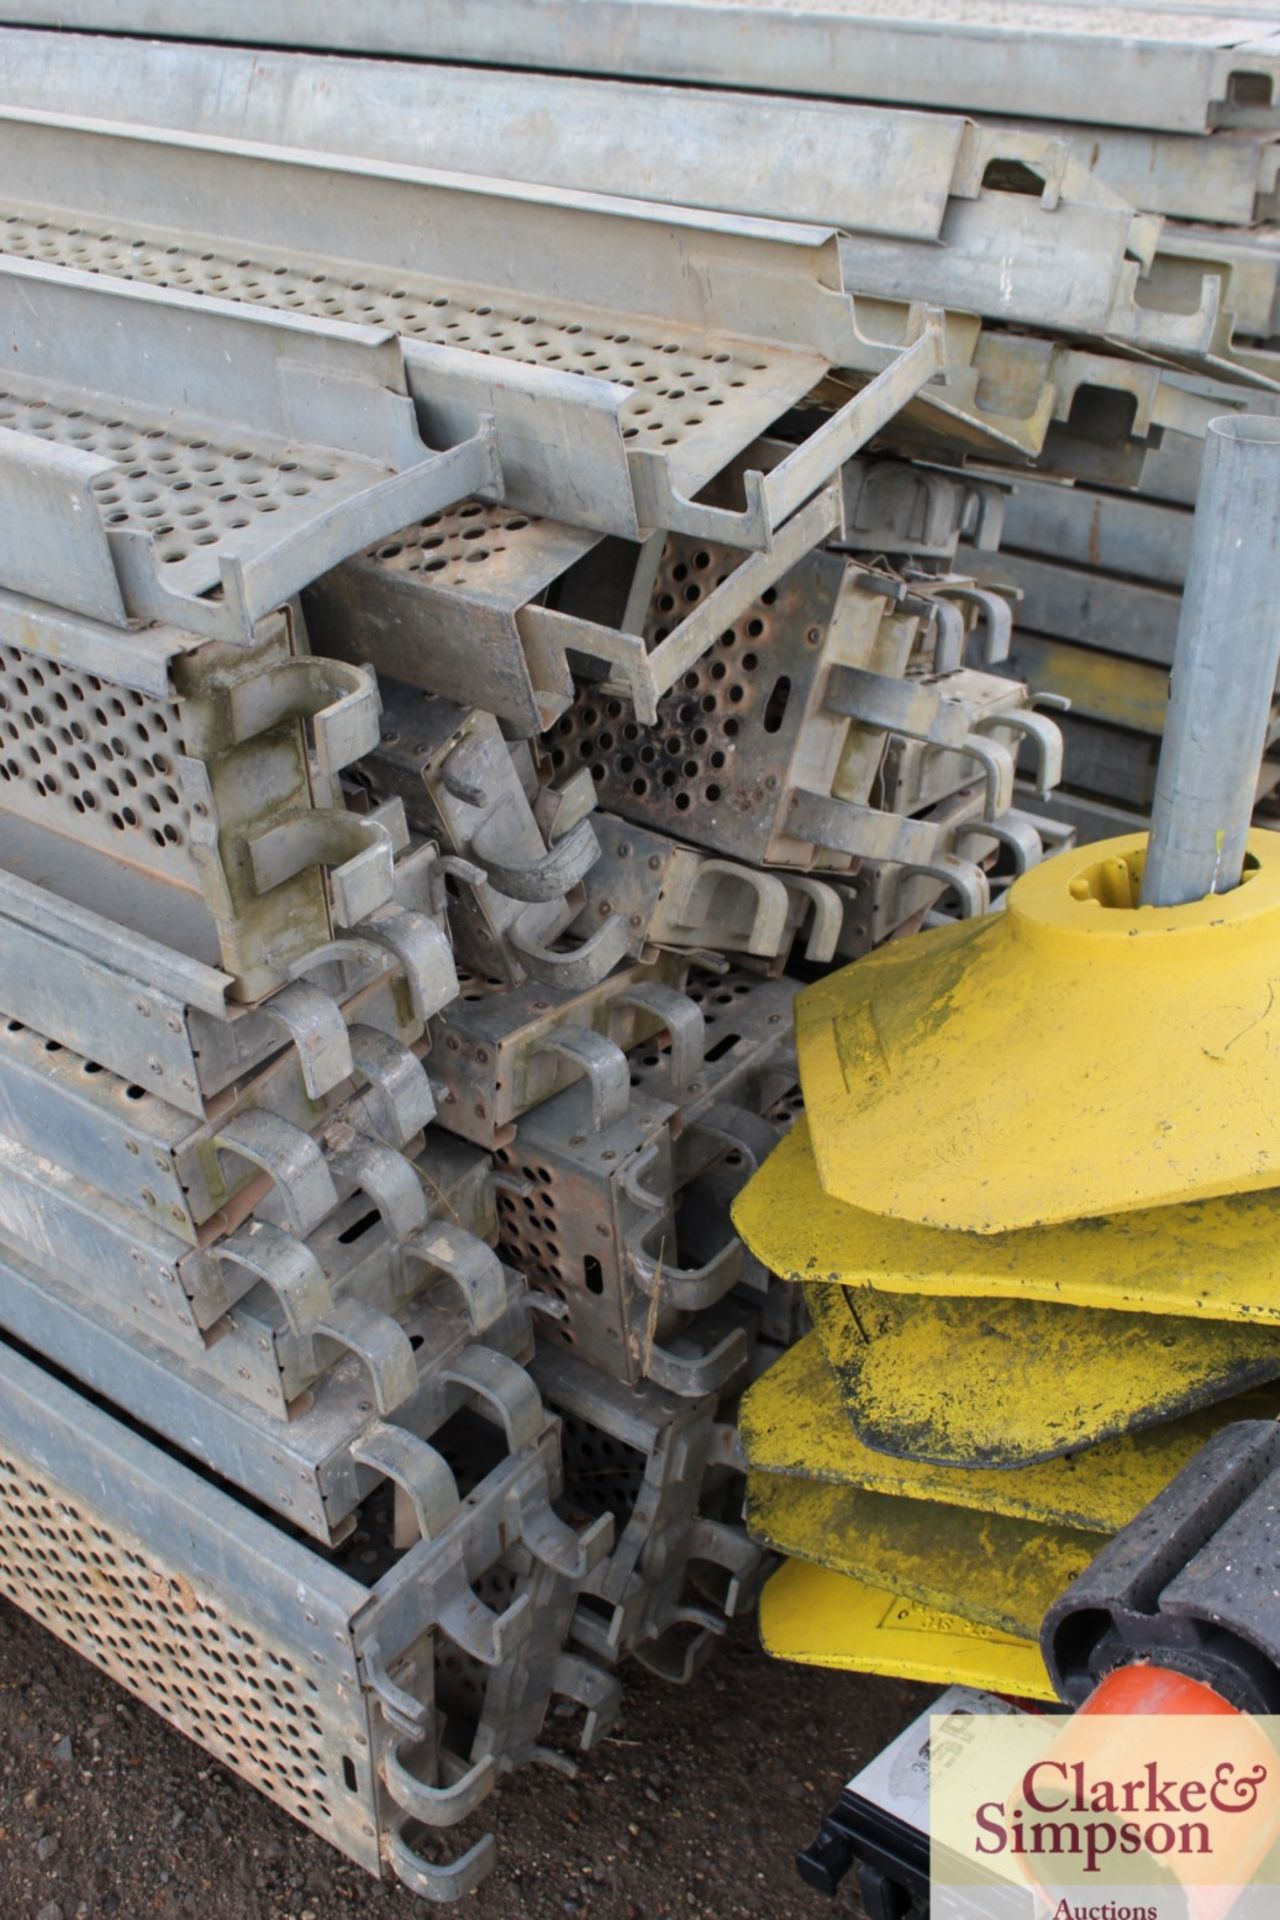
[[1142, 1688]]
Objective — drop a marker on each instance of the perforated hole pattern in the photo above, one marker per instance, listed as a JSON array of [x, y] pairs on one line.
[[678, 382], [529, 1231], [664, 776], [189, 493], [475, 986], [447, 548], [787, 1108], [24, 1044], [720, 1000], [146, 1625], [601, 1474], [94, 761]]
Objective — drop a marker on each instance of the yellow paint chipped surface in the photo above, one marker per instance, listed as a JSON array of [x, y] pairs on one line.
[[982, 1383], [1063, 1059], [793, 1425], [824, 1619], [1210, 1259], [996, 1572]]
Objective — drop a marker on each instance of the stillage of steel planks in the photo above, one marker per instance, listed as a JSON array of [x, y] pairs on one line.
[[512, 563]]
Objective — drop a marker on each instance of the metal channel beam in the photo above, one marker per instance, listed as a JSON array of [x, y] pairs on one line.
[[872, 172], [864, 169], [117, 395], [826, 159], [695, 331], [1096, 609], [1108, 532], [932, 231], [1168, 69], [1229, 180], [754, 280]]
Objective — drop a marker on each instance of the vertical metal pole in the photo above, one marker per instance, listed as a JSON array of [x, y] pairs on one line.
[[1224, 668]]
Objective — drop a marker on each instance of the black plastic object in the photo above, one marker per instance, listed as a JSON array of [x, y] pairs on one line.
[[892, 1861], [891, 1856], [1193, 1584]]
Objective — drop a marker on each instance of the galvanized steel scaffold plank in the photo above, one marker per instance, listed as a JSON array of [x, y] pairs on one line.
[[966, 245], [496, 585], [866, 169], [869, 170], [310, 1471], [151, 1156], [884, 173], [292, 1667], [1229, 179], [185, 788], [1168, 67], [111, 392], [160, 1012], [1002, 391], [746, 315]]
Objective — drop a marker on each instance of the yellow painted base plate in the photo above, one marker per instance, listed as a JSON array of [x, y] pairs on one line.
[[1208, 1260], [982, 1567], [1004, 1383], [792, 1424], [1073, 1056], [824, 1619]]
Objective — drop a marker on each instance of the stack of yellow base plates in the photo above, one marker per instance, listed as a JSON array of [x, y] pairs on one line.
[[1033, 1212]]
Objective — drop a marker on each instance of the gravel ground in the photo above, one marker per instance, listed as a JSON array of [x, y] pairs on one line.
[[691, 1808]]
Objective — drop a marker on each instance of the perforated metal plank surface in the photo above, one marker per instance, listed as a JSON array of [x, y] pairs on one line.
[[176, 787], [276, 1658], [717, 769], [869, 171], [96, 193], [140, 477], [879, 175], [138, 657], [438, 606], [93, 762], [1154, 67], [217, 1621], [476, 584], [694, 330]]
